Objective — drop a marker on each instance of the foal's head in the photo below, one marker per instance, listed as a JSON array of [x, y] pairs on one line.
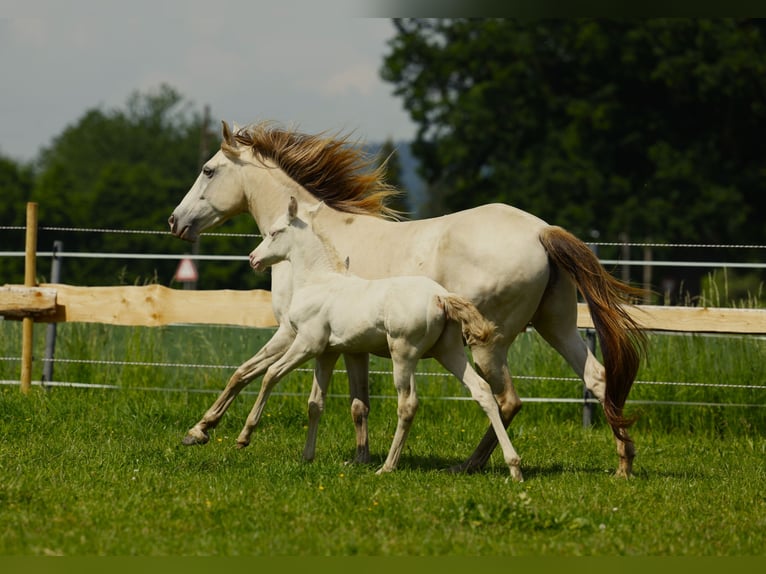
[[279, 241]]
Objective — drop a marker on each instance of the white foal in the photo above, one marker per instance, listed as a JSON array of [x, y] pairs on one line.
[[406, 318]]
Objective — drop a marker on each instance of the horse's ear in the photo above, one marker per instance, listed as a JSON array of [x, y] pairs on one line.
[[226, 134], [292, 208]]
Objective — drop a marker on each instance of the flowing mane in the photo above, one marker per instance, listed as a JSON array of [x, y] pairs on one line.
[[331, 168]]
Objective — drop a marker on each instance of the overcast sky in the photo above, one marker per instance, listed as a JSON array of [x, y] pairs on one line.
[[314, 65]]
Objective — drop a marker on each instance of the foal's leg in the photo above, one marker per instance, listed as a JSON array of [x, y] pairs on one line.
[[556, 321], [407, 406], [246, 372], [450, 353], [491, 362], [297, 354], [322, 373], [357, 366]]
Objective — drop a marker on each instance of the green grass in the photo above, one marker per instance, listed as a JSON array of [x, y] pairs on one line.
[[102, 472]]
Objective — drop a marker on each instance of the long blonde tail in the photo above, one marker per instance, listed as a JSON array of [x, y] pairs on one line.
[[477, 330]]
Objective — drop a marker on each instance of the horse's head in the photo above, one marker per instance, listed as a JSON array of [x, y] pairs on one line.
[[217, 195]]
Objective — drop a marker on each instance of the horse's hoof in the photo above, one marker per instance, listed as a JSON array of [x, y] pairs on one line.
[[463, 468], [241, 445], [195, 437], [516, 474], [359, 459]]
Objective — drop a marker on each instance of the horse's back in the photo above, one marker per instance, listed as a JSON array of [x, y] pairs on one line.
[[492, 255]]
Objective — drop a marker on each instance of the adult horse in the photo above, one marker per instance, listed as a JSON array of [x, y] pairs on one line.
[[517, 269]]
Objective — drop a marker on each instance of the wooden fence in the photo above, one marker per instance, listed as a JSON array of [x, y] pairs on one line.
[[155, 305]]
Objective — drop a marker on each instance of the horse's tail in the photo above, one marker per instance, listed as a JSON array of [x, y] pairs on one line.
[[477, 330], [621, 339]]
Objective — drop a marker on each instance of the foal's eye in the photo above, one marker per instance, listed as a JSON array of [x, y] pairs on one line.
[[208, 171]]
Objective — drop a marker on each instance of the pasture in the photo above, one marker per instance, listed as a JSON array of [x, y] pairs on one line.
[[102, 471]]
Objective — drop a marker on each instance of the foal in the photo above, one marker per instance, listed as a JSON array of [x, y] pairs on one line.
[[406, 318]]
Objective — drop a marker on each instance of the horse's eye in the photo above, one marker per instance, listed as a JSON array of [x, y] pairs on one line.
[[208, 171]]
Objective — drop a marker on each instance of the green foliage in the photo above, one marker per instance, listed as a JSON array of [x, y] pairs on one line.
[[127, 169], [652, 127], [16, 183]]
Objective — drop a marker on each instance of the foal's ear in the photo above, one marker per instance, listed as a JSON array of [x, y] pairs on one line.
[[312, 211], [292, 208]]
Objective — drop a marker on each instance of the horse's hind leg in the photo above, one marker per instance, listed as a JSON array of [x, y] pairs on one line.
[[491, 362], [357, 367], [407, 406], [246, 372], [452, 355], [322, 373], [556, 321]]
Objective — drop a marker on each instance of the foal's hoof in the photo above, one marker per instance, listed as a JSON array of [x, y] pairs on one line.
[[241, 445], [516, 474], [195, 437]]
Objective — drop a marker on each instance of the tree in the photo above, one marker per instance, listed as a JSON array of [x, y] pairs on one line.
[[16, 181], [649, 127], [127, 169]]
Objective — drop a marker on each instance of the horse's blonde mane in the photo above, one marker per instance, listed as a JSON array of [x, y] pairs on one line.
[[331, 168]]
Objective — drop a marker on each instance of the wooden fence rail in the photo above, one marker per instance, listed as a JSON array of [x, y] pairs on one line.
[[155, 305]]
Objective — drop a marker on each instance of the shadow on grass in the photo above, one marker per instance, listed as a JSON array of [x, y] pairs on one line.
[[532, 471]]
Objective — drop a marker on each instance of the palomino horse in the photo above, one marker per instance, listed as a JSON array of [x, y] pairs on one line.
[[514, 267], [405, 318]]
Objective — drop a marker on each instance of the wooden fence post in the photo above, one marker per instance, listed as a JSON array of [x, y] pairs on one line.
[[30, 280]]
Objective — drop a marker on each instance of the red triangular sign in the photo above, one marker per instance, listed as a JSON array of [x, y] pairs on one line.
[[186, 272]]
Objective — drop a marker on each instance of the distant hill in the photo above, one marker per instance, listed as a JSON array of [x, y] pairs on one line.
[[413, 185]]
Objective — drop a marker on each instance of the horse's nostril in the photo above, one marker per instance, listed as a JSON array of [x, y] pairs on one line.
[[172, 222]]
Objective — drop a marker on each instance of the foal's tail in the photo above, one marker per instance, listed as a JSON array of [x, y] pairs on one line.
[[477, 330], [622, 341]]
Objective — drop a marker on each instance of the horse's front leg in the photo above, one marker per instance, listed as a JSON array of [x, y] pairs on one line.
[[297, 354], [357, 367], [252, 368], [323, 369]]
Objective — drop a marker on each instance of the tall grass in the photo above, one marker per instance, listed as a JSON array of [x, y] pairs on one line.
[[102, 471]]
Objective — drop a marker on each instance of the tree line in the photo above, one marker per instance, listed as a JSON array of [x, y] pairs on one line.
[[650, 130], [639, 129]]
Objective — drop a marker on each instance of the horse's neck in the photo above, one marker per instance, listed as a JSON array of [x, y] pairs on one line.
[[268, 190], [313, 260]]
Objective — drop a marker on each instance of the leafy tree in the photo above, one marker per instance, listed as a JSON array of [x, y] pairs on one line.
[[16, 181], [652, 128], [127, 169]]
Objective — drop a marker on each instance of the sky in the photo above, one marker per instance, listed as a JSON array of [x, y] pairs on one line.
[[313, 65]]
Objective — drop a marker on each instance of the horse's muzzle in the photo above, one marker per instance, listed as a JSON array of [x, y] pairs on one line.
[[183, 233]]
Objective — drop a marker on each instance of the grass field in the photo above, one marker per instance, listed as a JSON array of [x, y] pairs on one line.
[[102, 471]]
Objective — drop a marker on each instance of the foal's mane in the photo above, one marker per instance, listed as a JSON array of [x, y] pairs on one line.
[[330, 167]]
